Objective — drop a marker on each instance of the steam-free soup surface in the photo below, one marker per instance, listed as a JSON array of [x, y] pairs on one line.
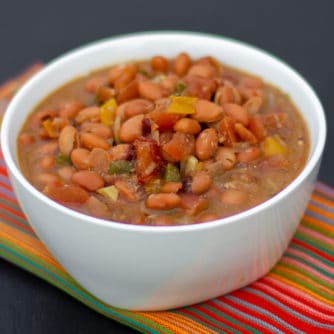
[[164, 142]]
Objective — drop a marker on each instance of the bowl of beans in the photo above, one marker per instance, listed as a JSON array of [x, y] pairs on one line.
[[163, 169]]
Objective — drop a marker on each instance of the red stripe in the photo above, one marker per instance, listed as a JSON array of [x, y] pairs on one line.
[[12, 211], [241, 319], [292, 292], [16, 223], [3, 171], [312, 249], [309, 313], [249, 311], [6, 186], [202, 319], [10, 199], [216, 317], [265, 304]]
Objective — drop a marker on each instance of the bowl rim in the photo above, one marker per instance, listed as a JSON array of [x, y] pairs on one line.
[[314, 158]]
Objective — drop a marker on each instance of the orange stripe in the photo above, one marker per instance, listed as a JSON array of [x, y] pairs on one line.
[[186, 323], [306, 279], [300, 287], [162, 322], [316, 222], [28, 244], [321, 211], [323, 200]]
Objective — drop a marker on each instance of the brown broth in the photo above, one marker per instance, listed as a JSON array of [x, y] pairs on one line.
[[252, 182]]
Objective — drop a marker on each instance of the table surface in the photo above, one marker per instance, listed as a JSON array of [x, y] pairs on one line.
[[299, 32]]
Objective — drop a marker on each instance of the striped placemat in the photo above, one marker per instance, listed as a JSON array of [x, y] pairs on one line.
[[296, 296]]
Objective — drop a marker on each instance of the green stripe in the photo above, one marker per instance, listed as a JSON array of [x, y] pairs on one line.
[[326, 248], [203, 315], [312, 265], [299, 281], [318, 229], [75, 291], [234, 321], [305, 273], [39, 260], [310, 253]]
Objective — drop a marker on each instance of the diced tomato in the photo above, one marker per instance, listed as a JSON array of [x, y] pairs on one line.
[[66, 193], [164, 120], [180, 146], [149, 161]]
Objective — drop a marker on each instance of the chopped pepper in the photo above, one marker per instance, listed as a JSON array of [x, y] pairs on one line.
[[110, 192], [182, 105], [273, 145], [180, 86], [121, 167], [171, 173], [108, 112], [50, 128], [63, 160]]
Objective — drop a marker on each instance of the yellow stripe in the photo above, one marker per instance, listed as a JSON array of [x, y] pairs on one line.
[[301, 287], [186, 323], [28, 244]]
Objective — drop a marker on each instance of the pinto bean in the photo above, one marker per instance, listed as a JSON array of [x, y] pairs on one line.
[[66, 173], [227, 157], [99, 160], [152, 90], [170, 82], [26, 139], [116, 72], [120, 152], [250, 154], [97, 208], [70, 109], [80, 158], [127, 75], [99, 129], [171, 187], [48, 148], [90, 141], [129, 92], [131, 129], [181, 64], [67, 140], [206, 111], [202, 70], [238, 113], [187, 125], [91, 114], [47, 162], [44, 179], [160, 64], [136, 107], [87, 179], [206, 144], [253, 105], [233, 196], [206, 217], [244, 133], [92, 84], [163, 201], [201, 182]]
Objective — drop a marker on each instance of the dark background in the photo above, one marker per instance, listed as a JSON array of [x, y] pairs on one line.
[[299, 32]]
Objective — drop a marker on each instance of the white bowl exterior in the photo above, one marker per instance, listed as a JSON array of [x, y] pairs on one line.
[[154, 268]]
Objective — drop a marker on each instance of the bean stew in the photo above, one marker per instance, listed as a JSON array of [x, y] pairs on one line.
[[164, 142]]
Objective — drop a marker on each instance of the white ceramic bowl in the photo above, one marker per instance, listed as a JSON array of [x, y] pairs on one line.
[[155, 268]]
